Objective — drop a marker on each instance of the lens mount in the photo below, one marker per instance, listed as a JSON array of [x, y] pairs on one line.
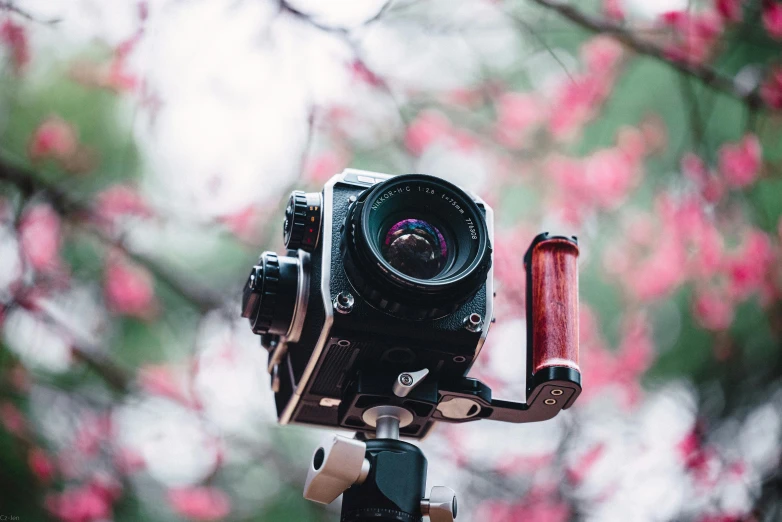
[[416, 246]]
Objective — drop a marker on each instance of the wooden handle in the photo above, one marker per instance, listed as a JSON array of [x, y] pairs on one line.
[[554, 308]]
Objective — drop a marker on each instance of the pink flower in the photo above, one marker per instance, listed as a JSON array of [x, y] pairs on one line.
[[128, 289], [614, 10], [517, 115], [428, 128], [245, 223], [730, 10], [163, 381], [713, 310], [583, 466], [40, 236], [128, 460], [694, 34], [40, 464], [740, 162], [14, 36], [576, 102], [53, 139], [772, 19], [771, 90], [200, 503], [750, 266], [121, 200], [602, 54], [322, 166], [609, 176], [83, 504], [363, 73], [12, 419]]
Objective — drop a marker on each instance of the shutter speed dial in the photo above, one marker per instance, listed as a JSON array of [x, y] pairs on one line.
[[301, 227]]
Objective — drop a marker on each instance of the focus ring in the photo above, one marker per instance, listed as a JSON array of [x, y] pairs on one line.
[[400, 295]]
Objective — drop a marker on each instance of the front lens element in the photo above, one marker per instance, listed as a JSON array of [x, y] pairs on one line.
[[415, 248]]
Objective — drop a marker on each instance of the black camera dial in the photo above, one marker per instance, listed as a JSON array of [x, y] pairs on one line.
[[269, 295], [301, 227]]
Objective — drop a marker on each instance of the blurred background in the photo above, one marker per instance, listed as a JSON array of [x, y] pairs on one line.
[[147, 148]]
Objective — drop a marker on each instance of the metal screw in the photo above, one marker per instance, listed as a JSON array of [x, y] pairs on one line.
[[549, 402], [343, 303], [406, 379], [352, 199], [473, 322], [556, 391]]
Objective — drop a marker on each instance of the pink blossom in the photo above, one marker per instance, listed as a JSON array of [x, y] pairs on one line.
[[740, 162], [322, 166], [128, 461], [245, 223], [772, 19], [609, 176], [584, 465], [40, 464], [163, 381], [40, 236], [53, 139], [92, 432], [200, 503], [713, 310], [363, 73], [14, 36], [82, 504], [576, 102], [771, 90], [614, 10], [695, 34], [128, 289], [121, 200], [711, 187], [517, 116], [750, 266], [730, 10], [632, 143], [428, 128], [12, 419], [602, 54]]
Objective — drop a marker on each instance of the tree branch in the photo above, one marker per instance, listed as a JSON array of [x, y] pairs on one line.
[[68, 206], [12, 8], [706, 74]]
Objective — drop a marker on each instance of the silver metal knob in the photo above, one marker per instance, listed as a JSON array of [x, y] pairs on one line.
[[407, 381], [336, 465], [441, 505]]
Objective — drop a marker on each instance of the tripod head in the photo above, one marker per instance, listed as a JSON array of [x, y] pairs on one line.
[[383, 479]]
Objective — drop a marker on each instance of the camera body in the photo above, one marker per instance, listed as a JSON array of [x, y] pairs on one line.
[[342, 331]]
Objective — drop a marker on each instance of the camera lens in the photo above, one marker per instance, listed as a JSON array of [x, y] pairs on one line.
[[416, 246]]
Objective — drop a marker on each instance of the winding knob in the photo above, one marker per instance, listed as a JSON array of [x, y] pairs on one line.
[[269, 295], [301, 227]]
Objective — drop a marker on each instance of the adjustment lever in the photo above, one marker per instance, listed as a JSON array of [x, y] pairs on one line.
[[407, 381]]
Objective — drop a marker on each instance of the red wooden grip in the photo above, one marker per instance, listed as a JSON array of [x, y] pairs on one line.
[[554, 266]]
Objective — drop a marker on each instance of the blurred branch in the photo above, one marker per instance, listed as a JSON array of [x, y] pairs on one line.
[[68, 206], [707, 75], [12, 8]]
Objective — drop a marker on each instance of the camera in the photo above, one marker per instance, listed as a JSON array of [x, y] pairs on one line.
[[384, 299]]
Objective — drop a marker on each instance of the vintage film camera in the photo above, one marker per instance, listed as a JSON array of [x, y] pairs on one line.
[[378, 310]]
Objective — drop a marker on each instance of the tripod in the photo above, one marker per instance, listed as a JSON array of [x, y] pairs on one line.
[[383, 479]]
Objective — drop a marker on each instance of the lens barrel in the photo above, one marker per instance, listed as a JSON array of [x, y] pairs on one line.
[[416, 246]]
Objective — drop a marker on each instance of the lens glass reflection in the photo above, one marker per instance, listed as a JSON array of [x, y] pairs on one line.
[[415, 248]]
